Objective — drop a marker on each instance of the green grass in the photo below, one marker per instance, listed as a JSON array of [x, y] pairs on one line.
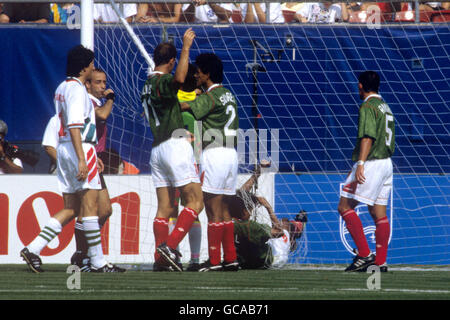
[[16, 282]]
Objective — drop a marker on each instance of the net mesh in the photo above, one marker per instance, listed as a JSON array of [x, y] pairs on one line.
[[303, 80]]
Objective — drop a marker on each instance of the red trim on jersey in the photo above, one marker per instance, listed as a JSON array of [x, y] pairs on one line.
[[95, 103], [75, 125], [61, 127]]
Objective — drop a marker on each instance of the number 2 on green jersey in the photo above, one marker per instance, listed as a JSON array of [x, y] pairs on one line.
[[228, 131]]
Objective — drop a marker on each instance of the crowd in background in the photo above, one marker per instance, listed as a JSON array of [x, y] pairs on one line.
[[200, 11]]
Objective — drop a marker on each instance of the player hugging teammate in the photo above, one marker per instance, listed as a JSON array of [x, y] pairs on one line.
[[173, 162]]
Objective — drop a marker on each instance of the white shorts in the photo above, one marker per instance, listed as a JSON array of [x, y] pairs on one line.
[[68, 168], [219, 170], [378, 185], [173, 164]]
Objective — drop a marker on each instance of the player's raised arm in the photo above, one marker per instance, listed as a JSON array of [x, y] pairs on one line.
[[183, 64]]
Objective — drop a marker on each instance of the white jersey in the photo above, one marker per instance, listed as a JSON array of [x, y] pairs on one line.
[[51, 137], [317, 13], [280, 249], [276, 13], [75, 109], [105, 13], [205, 14]]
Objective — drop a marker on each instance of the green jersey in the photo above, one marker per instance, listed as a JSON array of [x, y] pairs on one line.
[[161, 106], [217, 109], [376, 121]]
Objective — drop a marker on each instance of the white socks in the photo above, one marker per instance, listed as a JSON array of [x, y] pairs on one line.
[[50, 231], [93, 237]]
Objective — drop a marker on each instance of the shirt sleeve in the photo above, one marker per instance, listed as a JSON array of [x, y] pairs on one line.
[[367, 123], [51, 137], [202, 105]]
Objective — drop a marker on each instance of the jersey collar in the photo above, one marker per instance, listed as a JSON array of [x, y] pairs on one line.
[[215, 85], [97, 101], [372, 96], [153, 73], [74, 79]]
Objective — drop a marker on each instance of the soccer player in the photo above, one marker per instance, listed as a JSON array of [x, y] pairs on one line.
[[188, 92], [217, 110], [260, 245], [370, 180], [77, 164], [96, 88], [172, 159]]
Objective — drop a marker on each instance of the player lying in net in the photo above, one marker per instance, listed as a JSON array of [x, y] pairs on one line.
[[259, 245]]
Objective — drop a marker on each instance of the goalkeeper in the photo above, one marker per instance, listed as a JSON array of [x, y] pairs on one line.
[[259, 245]]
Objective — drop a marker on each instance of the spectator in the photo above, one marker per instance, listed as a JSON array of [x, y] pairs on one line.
[[256, 12], [59, 12], [200, 12], [104, 13], [25, 13], [8, 163], [159, 12], [431, 6], [348, 9], [326, 12], [290, 10], [294, 6]]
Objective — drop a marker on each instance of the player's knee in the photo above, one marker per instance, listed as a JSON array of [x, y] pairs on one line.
[[197, 205], [346, 204], [341, 209]]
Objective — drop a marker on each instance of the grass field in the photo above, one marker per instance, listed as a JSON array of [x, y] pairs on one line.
[[18, 283]]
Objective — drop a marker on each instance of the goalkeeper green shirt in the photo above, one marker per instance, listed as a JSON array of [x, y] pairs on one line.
[[161, 106], [376, 121], [217, 109]]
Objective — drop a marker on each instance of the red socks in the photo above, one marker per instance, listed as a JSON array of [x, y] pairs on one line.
[[382, 233], [215, 235], [354, 226], [229, 250], [161, 232], [184, 222]]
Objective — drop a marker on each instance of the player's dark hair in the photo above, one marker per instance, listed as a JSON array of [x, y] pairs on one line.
[[370, 81], [78, 58], [163, 53], [210, 63], [190, 83]]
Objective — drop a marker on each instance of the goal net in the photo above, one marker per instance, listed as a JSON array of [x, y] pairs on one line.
[[296, 86]]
